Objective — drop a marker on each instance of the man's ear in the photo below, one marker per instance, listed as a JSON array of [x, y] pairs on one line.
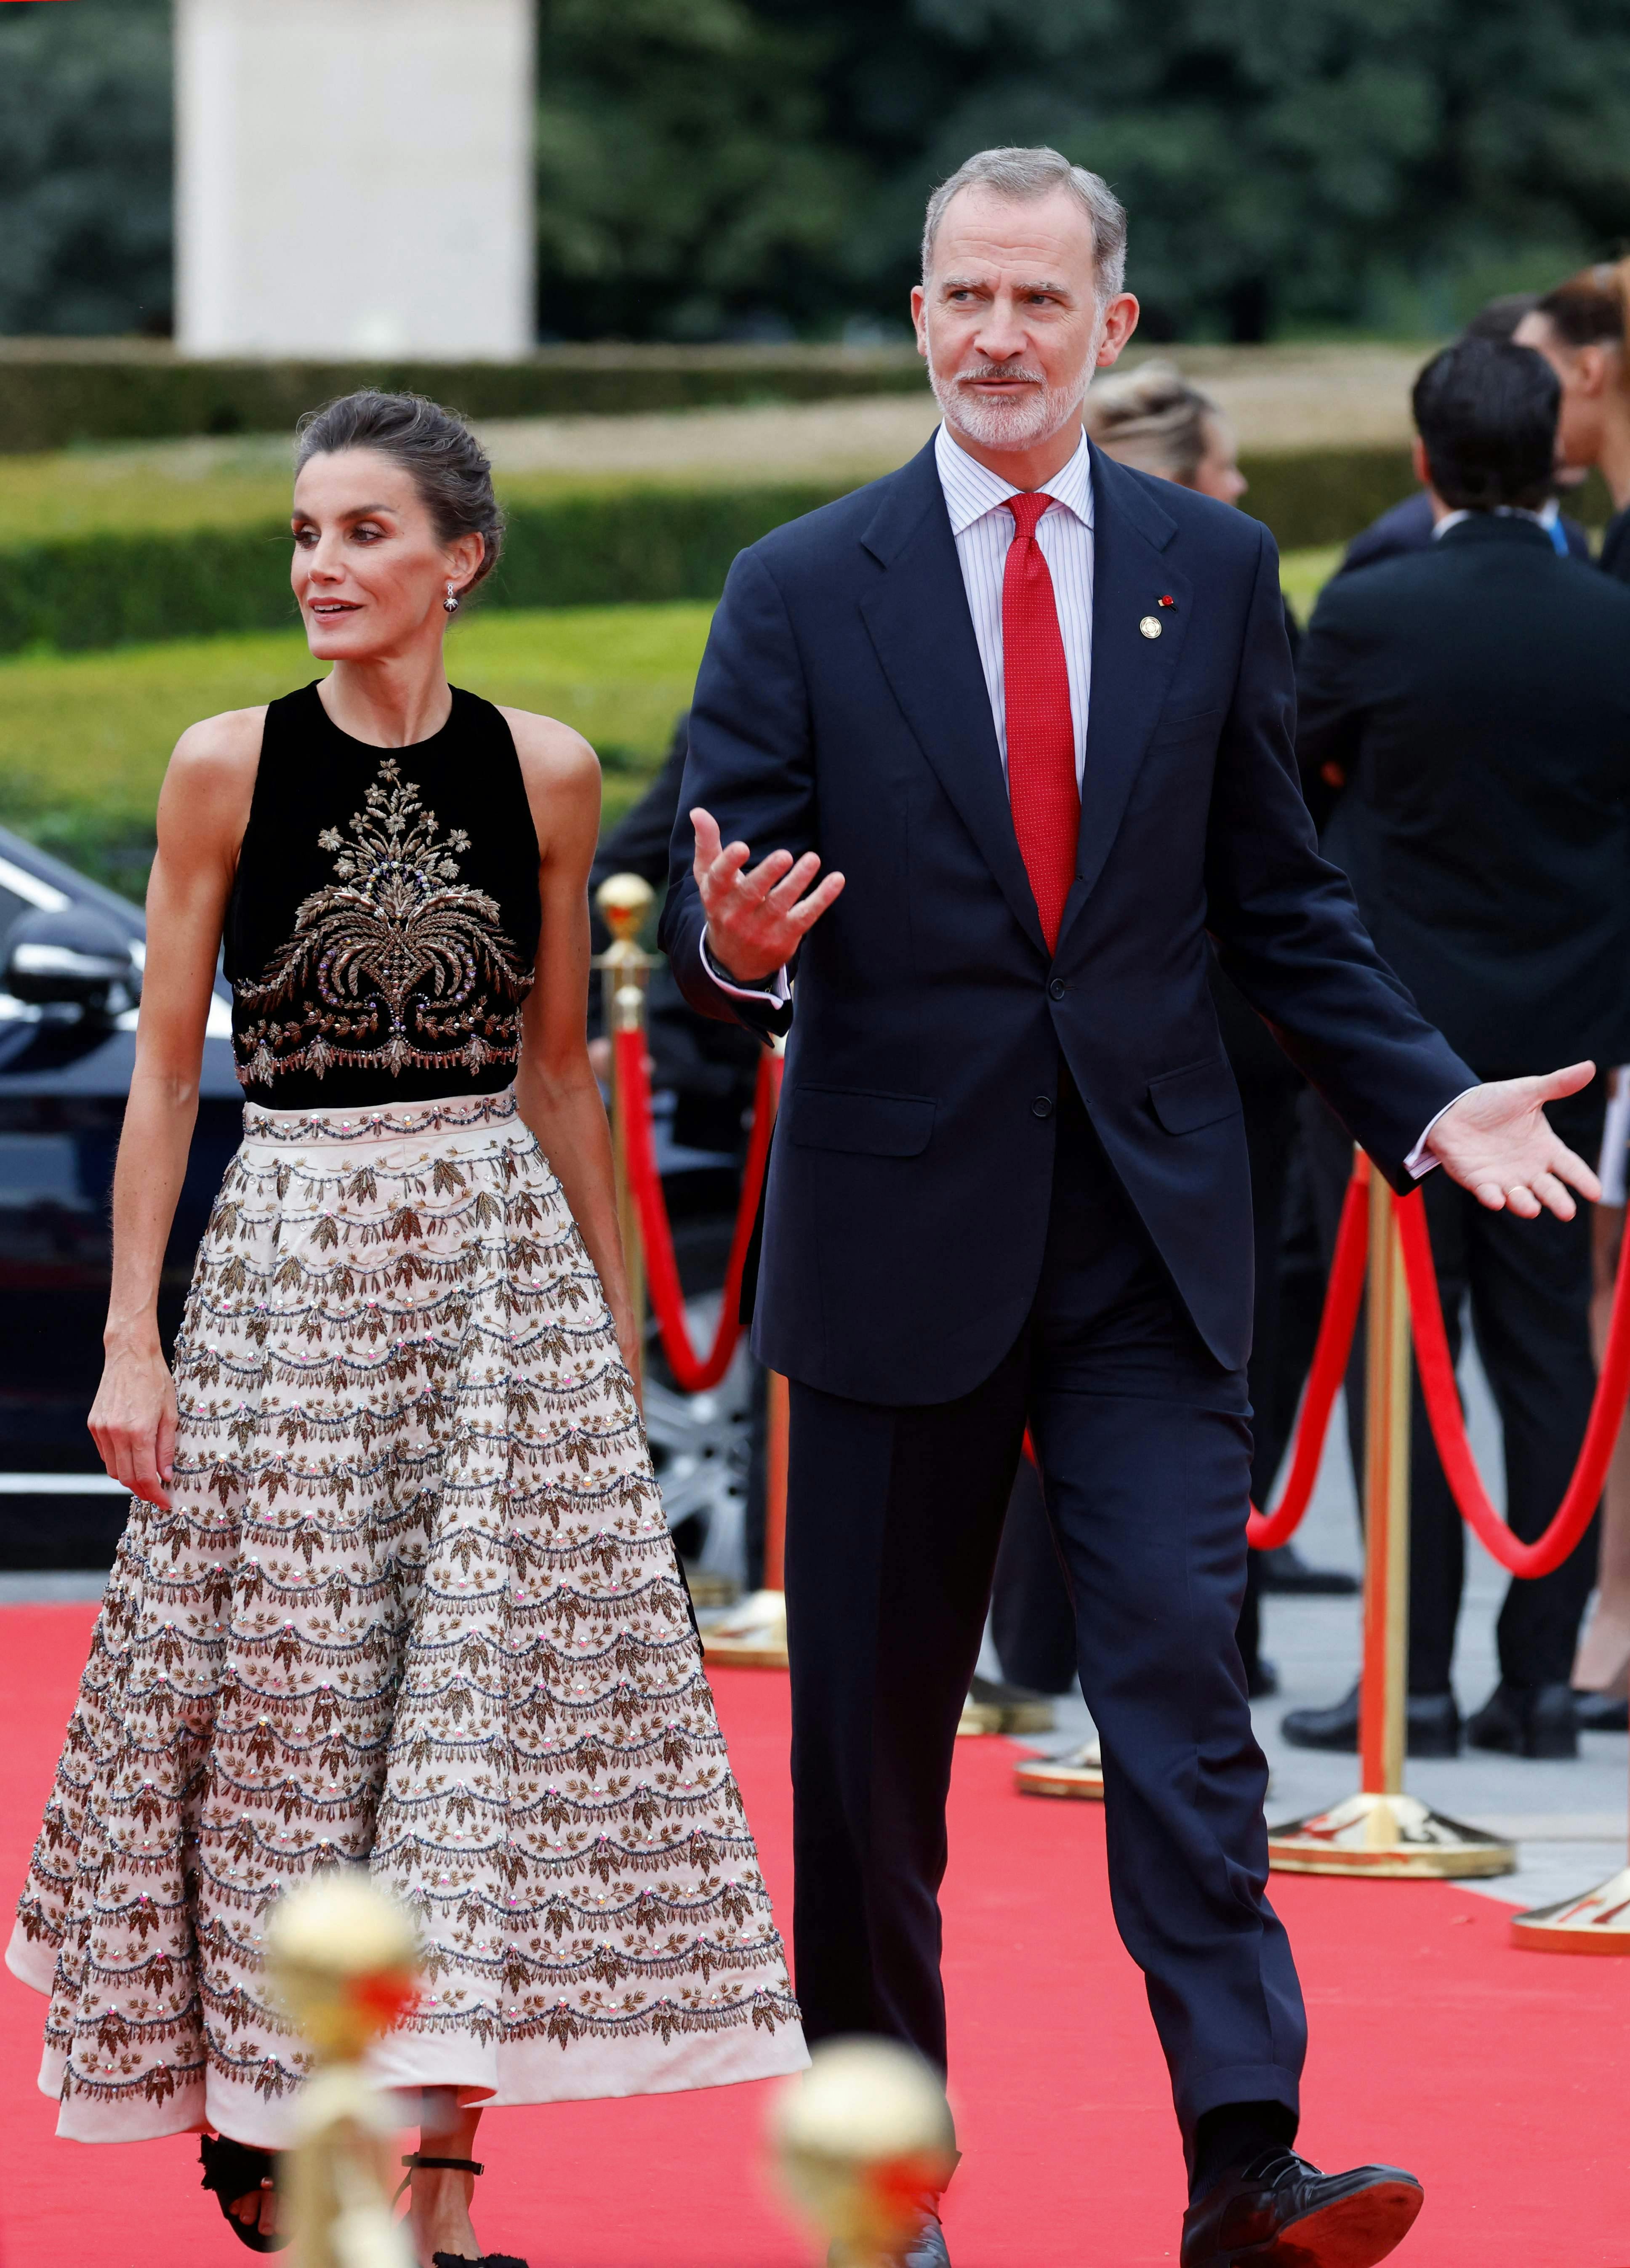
[[1423, 474], [918, 307]]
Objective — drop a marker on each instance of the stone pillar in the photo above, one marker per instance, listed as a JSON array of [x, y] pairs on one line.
[[354, 177]]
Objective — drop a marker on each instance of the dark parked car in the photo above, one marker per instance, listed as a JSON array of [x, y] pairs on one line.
[[70, 974]]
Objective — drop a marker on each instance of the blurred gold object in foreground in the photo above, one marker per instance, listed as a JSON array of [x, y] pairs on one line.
[[342, 1959], [864, 2144]]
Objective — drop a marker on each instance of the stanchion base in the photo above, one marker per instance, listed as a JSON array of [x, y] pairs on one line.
[[752, 1636], [1598, 1922], [1396, 1836], [1078, 1775]]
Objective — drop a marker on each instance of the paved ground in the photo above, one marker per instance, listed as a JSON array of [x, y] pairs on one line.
[[1278, 397], [1567, 1819]]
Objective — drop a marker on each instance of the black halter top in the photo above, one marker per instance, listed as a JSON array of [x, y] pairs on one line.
[[383, 925]]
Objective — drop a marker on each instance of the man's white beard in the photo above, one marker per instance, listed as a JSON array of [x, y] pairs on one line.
[[1019, 421]]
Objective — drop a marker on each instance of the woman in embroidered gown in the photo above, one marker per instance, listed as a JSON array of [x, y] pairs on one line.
[[395, 1586]]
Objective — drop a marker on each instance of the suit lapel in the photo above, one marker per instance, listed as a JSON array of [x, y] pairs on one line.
[[917, 619], [1131, 675]]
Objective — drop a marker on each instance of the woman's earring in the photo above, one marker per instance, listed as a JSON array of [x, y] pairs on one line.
[[450, 604]]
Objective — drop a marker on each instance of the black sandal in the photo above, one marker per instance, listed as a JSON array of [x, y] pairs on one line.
[[234, 2170], [458, 2165]]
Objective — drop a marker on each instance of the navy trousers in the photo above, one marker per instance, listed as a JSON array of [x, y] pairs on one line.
[[893, 1521]]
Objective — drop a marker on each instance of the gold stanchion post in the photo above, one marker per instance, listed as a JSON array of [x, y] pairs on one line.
[[1382, 1830], [343, 1958], [1595, 1921], [625, 901]]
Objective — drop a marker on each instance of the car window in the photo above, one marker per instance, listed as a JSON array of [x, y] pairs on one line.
[[10, 906]]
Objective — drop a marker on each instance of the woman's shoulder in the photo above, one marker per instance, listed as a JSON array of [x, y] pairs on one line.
[[550, 752], [214, 762]]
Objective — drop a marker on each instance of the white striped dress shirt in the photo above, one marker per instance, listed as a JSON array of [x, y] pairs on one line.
[[983, 526]]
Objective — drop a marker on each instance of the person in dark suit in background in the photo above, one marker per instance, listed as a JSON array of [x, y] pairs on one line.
[[1408, 526], [1476, 697]]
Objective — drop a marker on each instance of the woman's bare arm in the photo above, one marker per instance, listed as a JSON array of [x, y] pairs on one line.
[[555, 1088], [202, 811]]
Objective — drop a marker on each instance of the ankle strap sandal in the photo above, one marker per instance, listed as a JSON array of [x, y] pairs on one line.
[[234, 2170], [416, 2162]]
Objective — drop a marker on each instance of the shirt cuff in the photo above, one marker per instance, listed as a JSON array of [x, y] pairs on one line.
[[1419, 1163], [776, 991]]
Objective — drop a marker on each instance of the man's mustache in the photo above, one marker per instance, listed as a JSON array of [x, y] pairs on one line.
[[984, 372]]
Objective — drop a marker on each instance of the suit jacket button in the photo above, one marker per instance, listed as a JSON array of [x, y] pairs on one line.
[[1058, 989], [1042, 1107]]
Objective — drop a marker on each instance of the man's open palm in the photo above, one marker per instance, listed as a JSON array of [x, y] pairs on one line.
[[1496, 1142], [757, 920]]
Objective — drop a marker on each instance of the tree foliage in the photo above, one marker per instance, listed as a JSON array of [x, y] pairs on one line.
[[686, 185], [85, 165], [1314, 161], [1337, 161]]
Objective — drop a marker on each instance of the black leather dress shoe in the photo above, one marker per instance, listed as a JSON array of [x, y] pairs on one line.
[[1279, 2212], [1600, 1712], [1432, 1726], [1286, 1570], [1526, 1720]]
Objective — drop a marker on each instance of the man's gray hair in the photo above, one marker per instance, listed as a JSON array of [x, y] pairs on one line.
[[1026, 175]]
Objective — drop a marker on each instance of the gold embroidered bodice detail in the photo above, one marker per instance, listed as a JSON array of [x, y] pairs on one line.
[[396, 964]]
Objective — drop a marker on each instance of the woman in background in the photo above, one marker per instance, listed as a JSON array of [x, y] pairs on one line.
[[395, 1589], [1583, 329]]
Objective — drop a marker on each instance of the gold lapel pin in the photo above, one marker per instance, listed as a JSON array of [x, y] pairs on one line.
[[1151, 626]]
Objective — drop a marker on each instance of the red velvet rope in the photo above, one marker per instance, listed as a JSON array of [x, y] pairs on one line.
[[1343, 1297], [1442, 1400], [693, 1372]]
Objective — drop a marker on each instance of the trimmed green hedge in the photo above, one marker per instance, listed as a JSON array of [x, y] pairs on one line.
[[641, 544], [51, 399], [584, 550], [1325, 495]]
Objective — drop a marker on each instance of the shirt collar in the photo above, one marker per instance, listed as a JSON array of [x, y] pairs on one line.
[[1544, 518], [972, 489]]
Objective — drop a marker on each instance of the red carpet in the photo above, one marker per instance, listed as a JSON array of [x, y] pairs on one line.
[[1500, 2078]]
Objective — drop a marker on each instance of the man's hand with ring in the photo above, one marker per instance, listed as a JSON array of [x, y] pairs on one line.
[[758, 918]]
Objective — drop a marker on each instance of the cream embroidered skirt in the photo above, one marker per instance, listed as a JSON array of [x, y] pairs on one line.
[[415, 1605]]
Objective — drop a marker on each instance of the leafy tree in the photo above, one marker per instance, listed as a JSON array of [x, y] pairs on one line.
[[85, 165], [1315, 162], [684, 187]]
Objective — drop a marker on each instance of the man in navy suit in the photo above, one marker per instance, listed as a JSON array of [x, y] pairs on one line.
[[1032, 713]]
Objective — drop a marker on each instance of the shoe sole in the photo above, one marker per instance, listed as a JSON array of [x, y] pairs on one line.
[[1355, 2231]]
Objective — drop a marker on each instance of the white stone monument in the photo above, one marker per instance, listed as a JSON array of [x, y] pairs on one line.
[[354, 177]]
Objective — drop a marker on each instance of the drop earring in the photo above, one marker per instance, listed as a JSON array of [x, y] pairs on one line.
[[450, 604]]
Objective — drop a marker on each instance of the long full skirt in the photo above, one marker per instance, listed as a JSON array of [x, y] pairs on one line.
[[414, 1606]]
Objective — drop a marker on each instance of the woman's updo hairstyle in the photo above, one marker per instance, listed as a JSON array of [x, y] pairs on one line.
[[1152, 420], [1592, 309], [437, 451]]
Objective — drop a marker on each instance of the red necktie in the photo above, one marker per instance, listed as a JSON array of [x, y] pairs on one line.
[[1041, 734]]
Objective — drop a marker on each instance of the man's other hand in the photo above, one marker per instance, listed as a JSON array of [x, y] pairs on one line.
[[757, 920], [1496, 1142]]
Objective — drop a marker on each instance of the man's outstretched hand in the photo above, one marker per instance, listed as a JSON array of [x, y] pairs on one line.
[[1495, 1142], [756, 921]]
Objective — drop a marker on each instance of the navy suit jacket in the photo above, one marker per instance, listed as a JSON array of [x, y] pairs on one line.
[[841, 707]]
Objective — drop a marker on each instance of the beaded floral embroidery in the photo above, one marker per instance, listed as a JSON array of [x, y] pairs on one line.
[[397, 965]]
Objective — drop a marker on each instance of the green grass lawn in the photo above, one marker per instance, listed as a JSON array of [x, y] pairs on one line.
[[84, 737]]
